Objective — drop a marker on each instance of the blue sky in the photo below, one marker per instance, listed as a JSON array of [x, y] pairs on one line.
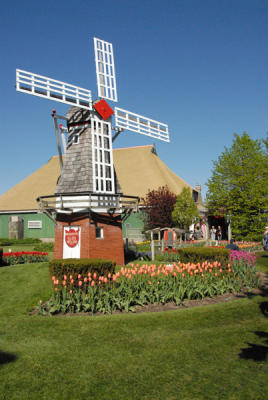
[[199, 66]]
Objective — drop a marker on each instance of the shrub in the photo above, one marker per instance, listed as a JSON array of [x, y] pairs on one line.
[[79, 268], [12, 242], [44, 247], [196, 255]]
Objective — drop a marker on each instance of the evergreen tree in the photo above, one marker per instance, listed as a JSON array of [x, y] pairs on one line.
[[239, 186], [185, 210]]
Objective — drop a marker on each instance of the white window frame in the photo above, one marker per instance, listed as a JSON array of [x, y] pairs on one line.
[[35, 224]]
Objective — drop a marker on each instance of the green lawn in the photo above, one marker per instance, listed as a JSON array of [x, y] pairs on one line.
[[262, 261], [209, 352]]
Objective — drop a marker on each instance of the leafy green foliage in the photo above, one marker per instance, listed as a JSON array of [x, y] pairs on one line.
[[80, 266], [11, 242], [238, 186], [45, 246], [185, 210], [196, 255], [159, 205]]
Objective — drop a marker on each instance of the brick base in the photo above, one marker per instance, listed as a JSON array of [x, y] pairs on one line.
[[110, 247]]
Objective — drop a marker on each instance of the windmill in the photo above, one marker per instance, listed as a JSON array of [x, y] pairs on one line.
[[87, 186]]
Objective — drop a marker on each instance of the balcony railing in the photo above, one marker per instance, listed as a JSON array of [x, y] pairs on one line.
[[78, 202]]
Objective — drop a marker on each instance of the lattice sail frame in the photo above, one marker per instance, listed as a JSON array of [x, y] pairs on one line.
[[52, 89], [102, 157], [105, 69], [137, 123]]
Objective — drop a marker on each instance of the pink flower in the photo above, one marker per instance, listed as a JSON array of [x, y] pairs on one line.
[[80, 283], [92, 283]]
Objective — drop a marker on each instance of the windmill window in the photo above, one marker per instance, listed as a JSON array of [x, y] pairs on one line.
[[95, 140], [99, 232], [101, 171], [75, 138], [96, 169], [100, 141], [100, 153]]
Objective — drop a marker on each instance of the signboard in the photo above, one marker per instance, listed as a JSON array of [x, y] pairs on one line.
[[71, 242]]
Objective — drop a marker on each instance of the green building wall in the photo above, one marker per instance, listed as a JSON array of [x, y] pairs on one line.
[[132, 226], [47, 230]]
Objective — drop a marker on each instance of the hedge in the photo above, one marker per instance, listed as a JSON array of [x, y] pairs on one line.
[[12, 242], [196, 255], [80, 266]]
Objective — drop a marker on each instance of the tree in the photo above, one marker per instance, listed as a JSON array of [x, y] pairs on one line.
[[185, 210], [158, 208], [238, 187]]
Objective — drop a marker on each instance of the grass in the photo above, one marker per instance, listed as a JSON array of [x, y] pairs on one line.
[[262, 261], [209, 352]]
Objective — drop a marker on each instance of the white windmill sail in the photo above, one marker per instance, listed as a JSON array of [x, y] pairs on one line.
[[102, 157], [137, 123], [105, 70], [52, 89]]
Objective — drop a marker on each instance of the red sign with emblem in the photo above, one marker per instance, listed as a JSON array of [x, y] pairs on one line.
[[103, 109], [72, 237]]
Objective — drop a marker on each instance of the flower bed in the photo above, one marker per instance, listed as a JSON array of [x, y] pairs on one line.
[[249, 246], [148, 284], [22, 257]]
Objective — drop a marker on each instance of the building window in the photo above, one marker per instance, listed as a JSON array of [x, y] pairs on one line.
[[34, 224], [75, 138], [99, 232]]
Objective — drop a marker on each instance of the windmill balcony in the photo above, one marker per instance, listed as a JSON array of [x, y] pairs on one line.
[[70, 203]]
